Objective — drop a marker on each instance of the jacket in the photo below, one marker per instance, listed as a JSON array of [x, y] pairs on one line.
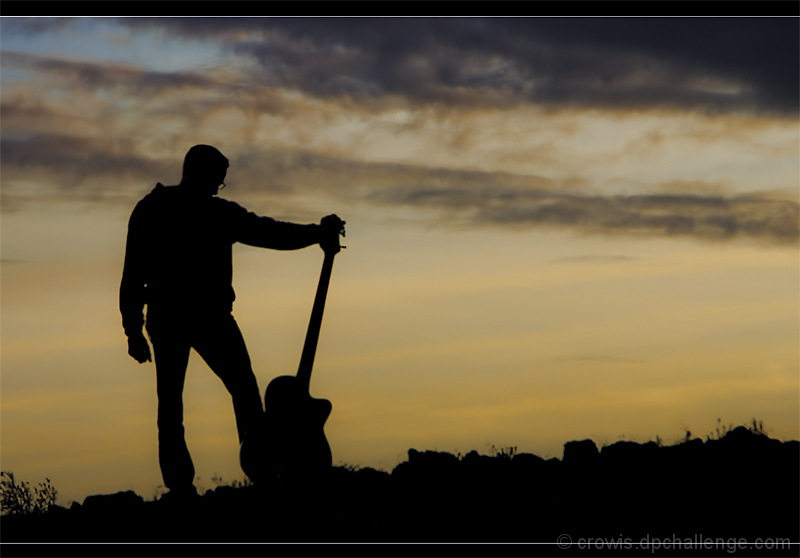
[[179, 258]]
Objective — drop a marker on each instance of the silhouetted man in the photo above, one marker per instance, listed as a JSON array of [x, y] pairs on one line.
[[178, 261]]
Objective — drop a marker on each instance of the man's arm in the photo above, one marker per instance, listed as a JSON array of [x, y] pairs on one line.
[[266, 232], [132, 290]]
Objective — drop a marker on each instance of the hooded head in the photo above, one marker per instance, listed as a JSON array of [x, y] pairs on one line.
[[204, 169]]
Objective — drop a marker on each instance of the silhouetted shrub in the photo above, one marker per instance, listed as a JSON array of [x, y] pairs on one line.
[[16, 499]]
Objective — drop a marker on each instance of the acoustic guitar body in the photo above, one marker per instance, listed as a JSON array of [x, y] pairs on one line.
[[291, 438]]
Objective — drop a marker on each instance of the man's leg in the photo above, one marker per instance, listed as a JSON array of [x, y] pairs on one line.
[[171, 351], [219, 341]]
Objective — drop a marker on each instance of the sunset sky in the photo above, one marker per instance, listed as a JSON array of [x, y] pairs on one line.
[[557, 229]]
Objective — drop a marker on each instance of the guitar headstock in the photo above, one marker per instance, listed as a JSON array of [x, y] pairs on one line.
[[332, 227]]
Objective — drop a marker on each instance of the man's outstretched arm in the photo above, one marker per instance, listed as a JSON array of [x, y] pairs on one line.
[[266, 232]]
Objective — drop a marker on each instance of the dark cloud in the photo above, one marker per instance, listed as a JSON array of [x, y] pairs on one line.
[[99, 75], [93, 168], [696, 216], [138, 87], [378, 182], [32, 25], [708, 64]]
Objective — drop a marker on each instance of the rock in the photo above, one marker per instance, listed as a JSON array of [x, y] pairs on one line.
[[432, 460], [745, 440], [371, 476], [485, 476], [111, 503], [476, 463], [527, 460], [683, 458], [630, 453], [583, 452], [552, 464], [740, 435], [428, 466], [791, 450], [223, 494], [401, 470], [57, 510]]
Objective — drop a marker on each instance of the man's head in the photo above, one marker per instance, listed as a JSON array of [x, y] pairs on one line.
[[204, 169]]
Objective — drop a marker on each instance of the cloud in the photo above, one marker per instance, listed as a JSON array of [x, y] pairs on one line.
[[74, 166], [695, 216], [714, 65], [34, 25], [113, 92], [106, 75]]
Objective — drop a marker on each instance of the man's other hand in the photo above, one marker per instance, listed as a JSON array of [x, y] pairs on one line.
[[138, 348]]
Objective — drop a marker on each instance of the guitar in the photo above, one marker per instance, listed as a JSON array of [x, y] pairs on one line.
[[291, 439]]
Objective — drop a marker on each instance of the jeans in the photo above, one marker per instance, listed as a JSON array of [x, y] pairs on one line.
[[217, 339]]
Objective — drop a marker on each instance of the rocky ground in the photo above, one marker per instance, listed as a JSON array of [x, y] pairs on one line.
[[744, 485]]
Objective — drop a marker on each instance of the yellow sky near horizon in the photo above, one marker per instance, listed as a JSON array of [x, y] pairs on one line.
[[478, 339]]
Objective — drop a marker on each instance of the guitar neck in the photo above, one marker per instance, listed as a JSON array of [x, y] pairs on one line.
[[315, 323]]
